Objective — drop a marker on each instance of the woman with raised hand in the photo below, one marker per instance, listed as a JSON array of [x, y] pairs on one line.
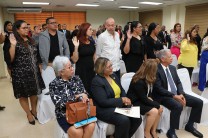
[[64, 88], [189, 51], [133, 47], [83, 54], [26, 78]]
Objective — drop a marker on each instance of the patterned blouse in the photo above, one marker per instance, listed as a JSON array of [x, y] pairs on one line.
[[176, 39], [62, 91]]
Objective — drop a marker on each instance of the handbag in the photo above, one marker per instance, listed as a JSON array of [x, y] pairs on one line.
[[78, 111]]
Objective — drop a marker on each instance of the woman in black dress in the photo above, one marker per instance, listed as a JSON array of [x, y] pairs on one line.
[[26, 79], [140, 93], [133, 48], [83, 54], [152, 42], [5, 40]]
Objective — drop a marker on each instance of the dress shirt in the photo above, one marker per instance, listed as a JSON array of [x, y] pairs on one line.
[[108, 46], [164, 68]]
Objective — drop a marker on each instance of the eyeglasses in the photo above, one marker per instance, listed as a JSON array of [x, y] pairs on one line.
[[53, 23]]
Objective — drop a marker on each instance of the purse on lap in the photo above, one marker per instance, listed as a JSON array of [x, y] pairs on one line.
[[78, 111]]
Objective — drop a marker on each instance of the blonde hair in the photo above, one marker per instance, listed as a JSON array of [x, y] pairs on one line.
[[147, 71], [100, 65]]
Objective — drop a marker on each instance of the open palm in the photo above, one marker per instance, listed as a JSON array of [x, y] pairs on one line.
[[75, 41], [12, 39]]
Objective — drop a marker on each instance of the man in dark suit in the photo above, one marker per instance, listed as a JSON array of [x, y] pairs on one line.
[[65, 31], [169, 92], [164, 37]]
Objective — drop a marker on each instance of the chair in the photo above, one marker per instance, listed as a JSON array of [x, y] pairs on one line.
[[46, 108], [59, 132], [126, 79], [123, 67], [184, 77], [175, 60], [195, 75]]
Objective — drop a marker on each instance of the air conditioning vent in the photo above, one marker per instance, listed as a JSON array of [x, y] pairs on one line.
[[27, 10]]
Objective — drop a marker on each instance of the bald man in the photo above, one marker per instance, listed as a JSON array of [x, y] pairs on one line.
[[108, 45]]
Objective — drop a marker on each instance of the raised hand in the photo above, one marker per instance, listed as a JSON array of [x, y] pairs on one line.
[[75, 42], [129, 35], [12, 39]]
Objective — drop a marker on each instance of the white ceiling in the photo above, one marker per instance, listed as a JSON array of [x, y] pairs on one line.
[[69, 5]]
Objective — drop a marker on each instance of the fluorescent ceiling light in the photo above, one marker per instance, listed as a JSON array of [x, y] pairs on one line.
[[89, 5], [128, 7], [36, 3], [150, 3], [107, 0]]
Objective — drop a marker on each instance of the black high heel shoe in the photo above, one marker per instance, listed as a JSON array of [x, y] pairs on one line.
[[34, 115], [31, 122]]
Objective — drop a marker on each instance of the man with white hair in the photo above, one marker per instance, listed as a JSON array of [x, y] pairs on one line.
[[108, 45], [168, 91]]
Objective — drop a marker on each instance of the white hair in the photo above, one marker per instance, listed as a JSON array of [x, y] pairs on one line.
[[162, 53], [59, 63]]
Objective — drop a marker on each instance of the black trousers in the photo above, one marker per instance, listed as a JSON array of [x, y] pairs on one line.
[[176, 109], [125, 127], [190, 69]]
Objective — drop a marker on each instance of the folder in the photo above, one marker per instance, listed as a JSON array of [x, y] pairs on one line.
[[85, 122]]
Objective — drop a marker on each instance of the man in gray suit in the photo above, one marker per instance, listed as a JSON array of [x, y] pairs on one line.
[[52, 43]]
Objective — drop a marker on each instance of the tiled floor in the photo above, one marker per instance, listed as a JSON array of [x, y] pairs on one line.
[[13, 121]]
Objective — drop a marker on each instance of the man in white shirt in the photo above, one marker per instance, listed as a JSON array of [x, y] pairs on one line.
[[108, 45]]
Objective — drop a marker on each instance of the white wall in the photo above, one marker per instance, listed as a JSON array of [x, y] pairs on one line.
[[98, 17], [2, 64], [174, 14]]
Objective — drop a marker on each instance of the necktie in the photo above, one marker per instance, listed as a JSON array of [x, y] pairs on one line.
[[64, 32], [171, 82]]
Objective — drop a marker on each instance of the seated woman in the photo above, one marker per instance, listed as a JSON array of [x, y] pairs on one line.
[[67, 87], [108, 94], [140, 91]]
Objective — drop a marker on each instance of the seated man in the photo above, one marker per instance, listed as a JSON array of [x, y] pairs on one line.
[[169, 92]]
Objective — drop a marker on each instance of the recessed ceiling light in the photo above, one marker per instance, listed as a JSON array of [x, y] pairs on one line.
[[150, 3], [36, 3], [88, 5], [128, 7]]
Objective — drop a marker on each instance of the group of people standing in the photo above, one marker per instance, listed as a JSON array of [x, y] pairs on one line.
[[97, 75]]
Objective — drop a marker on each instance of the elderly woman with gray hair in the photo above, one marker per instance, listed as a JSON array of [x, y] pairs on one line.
[[64, 88]]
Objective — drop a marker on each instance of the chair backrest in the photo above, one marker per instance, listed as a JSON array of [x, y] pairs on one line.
[[123, 67], [185, 79], [48, 75], [126, 79], [175, 60]]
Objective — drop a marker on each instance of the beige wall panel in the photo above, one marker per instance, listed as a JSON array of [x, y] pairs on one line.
[[151, 16], [197, 14]]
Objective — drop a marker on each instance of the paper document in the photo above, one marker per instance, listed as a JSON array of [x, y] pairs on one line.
[[134, 111]]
